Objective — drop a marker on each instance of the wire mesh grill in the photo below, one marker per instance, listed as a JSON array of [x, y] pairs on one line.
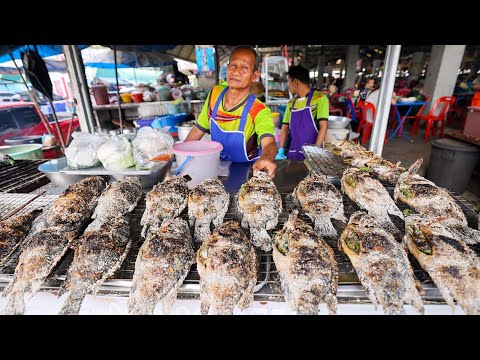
[[23, 176], [268, 284], [323, 161], [11, 201]]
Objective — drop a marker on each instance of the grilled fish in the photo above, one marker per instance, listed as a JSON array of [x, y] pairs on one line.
[[75, 205], [381, 264], [260, 204], [425, 197], [370, 195], [119, 198], [320, 201], [100, 253], [226, 263], [41, 252], [165, 201], [12, 233], [163, 262], [307, 268], [207, 203], [6, 160], [452, 265]]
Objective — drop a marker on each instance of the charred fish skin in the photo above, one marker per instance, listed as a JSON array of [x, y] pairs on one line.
[[12, 232], [76, 204], [226, 263], [41, 252], [369, 194], [118, 199], [425, 197], [381, 264], [260, 205], [97, 257], [452, 265], [321, 201], [307, 268], [207, 203], [162, 265], [165, 201]]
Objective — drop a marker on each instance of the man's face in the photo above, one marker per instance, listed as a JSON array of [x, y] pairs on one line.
[[240, 70], [292, 85]]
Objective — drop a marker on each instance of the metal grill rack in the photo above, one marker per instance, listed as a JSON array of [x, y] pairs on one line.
[[268, 285], [10, 201], [22, 177], [323, 161]]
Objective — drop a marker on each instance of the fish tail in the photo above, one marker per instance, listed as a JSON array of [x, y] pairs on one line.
[[15, 302], [307, 304], [260, 238], [73, 303], [324, 227], [202, 230], [141, 307], [331, 301]]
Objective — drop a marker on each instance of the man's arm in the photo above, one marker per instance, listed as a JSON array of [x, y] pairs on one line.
[[195, 134], [269, 151], [323, 124]]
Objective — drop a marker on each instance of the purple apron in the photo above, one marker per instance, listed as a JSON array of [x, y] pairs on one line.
[[303, 129], [234, 146]]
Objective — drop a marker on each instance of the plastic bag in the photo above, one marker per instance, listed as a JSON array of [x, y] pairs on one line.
[[117, 153], [151, 146], [82, 152]]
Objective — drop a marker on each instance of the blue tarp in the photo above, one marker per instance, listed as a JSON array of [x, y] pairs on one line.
[[44, 50]]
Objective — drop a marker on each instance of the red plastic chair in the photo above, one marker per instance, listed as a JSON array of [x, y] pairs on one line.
[[366, 121], [437, 113]]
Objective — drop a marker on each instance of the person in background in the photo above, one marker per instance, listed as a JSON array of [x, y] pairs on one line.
[[476, 87], [369, 87], [306, 116], [236, 119]]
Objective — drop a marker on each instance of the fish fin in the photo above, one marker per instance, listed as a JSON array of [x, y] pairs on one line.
[[324, 227], [146, 307], [204, 300], [331, 301], [415, 166], [390, 227], [74, 301], [168, 300], [247, 297]]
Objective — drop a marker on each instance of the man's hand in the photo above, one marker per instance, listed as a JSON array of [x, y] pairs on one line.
[[281, 154], [265, 164]]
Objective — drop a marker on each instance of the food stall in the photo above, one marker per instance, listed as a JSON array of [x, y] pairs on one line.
[[112, 296]]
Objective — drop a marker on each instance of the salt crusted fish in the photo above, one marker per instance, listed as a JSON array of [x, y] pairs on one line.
[[226, 263], [12, 232], [320, 201], [307, 268], [100, 253], [165, 201], [260, 204], [425, 197], [118, 199], [162, 264], [452, 265], [369, 194], [207, 203], [381, 264]]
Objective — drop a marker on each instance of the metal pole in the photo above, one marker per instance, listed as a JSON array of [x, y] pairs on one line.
[[385, 98], [57, 125], [78, 81], [118, 91], [217, 65]]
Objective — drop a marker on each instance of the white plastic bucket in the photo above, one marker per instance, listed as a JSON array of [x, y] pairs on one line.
[[336, 134], [198, 159]]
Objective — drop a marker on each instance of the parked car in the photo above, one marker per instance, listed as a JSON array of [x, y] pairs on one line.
[[23, 119]]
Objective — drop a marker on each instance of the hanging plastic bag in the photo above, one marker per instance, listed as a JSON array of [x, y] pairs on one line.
[[116, 153], [152, 146], [82, 152]]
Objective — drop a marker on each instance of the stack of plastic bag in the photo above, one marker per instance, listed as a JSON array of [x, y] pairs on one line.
[[82, 152], [117, 153], [152, 146]]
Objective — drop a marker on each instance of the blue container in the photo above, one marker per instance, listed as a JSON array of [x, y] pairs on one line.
[[171, 120], [144, 122]]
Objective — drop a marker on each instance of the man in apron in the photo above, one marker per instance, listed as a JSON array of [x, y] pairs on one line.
[[306, 116], [236, 119]]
